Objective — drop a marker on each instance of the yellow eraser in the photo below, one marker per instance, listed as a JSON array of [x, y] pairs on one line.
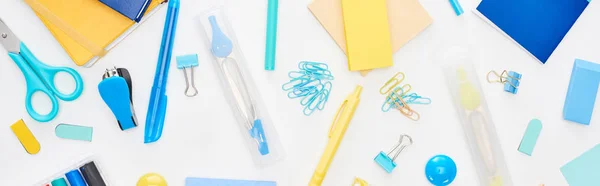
[[31, 145]]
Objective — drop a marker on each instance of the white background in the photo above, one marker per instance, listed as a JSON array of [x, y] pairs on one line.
[[200, 138]]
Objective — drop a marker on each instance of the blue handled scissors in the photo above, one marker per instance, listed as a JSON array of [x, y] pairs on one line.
[[38, 76]]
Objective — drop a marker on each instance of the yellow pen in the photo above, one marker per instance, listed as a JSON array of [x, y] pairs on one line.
[[336, 133]]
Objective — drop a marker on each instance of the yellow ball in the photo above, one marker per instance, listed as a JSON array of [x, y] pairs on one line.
[[152, 179]]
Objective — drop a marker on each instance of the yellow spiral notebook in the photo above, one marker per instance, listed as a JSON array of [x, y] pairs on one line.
[[86, 29]]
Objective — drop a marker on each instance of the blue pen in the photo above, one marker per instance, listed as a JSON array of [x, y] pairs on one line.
[[271, 35], [158, 99]]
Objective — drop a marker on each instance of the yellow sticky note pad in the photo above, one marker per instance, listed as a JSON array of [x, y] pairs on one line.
[[368, 39], [31, 145]]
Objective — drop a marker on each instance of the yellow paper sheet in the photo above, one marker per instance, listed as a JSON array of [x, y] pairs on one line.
[[407, 18], [368, 40]]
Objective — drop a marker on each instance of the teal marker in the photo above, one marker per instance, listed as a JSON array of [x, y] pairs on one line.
[[271, 35]]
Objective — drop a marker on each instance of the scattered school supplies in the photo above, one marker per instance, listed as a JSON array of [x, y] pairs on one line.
[[74, 132], [338, 128], [271, 43], [83, 173], [367, 32], [359, 182], [407, 18], [152, 179], [240, 88], [116, 89], [388, 163], [312, 84], [581, 95], [549, 20], [157, 107], [398, 97], [189, 181], [76, 26], [510, 79], [38, 76], [188, 62], [440, 170], [477, 124], [457, 8], [583, 170], [132, 9], [530, 137], [31, 145]]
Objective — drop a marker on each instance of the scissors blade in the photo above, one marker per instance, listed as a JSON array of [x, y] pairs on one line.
[[9, 39]]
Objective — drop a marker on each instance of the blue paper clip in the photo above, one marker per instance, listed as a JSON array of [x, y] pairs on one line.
[[385, 161], [312, 84], [510, 79]]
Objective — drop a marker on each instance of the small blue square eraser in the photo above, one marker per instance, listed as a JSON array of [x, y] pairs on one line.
[[385, 162], [187, 61]]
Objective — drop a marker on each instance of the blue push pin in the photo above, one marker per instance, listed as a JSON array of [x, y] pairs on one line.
[[384, 159], [440, 170], [511, 80]]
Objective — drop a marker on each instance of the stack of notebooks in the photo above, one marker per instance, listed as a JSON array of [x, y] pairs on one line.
[[537, 26], [88, 29], [369, 32]]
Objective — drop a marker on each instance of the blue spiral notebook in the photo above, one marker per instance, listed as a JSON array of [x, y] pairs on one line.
[[536, 25], [132, 9]]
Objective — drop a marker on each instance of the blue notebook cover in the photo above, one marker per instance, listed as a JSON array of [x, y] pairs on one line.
[[132, 9], [537, 25], [225, 182]]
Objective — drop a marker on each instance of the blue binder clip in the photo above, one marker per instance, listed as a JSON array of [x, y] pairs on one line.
[[510, 79], [116, 91], [384, 159]]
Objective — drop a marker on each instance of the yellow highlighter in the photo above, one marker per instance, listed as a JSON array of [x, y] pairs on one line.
[[336, 133]]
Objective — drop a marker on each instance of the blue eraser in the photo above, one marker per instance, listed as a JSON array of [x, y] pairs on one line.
[[115, 93], [187, 61], [581, 95], [385, 162]]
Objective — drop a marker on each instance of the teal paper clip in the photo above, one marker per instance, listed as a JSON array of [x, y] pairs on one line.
[[311, 84], [530, 137], [385, 161], [393, 100]]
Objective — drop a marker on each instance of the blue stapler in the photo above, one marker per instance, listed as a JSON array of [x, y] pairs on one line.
[[116, 91]]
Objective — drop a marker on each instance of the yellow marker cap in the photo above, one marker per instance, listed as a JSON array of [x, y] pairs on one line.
[[31, 145]]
